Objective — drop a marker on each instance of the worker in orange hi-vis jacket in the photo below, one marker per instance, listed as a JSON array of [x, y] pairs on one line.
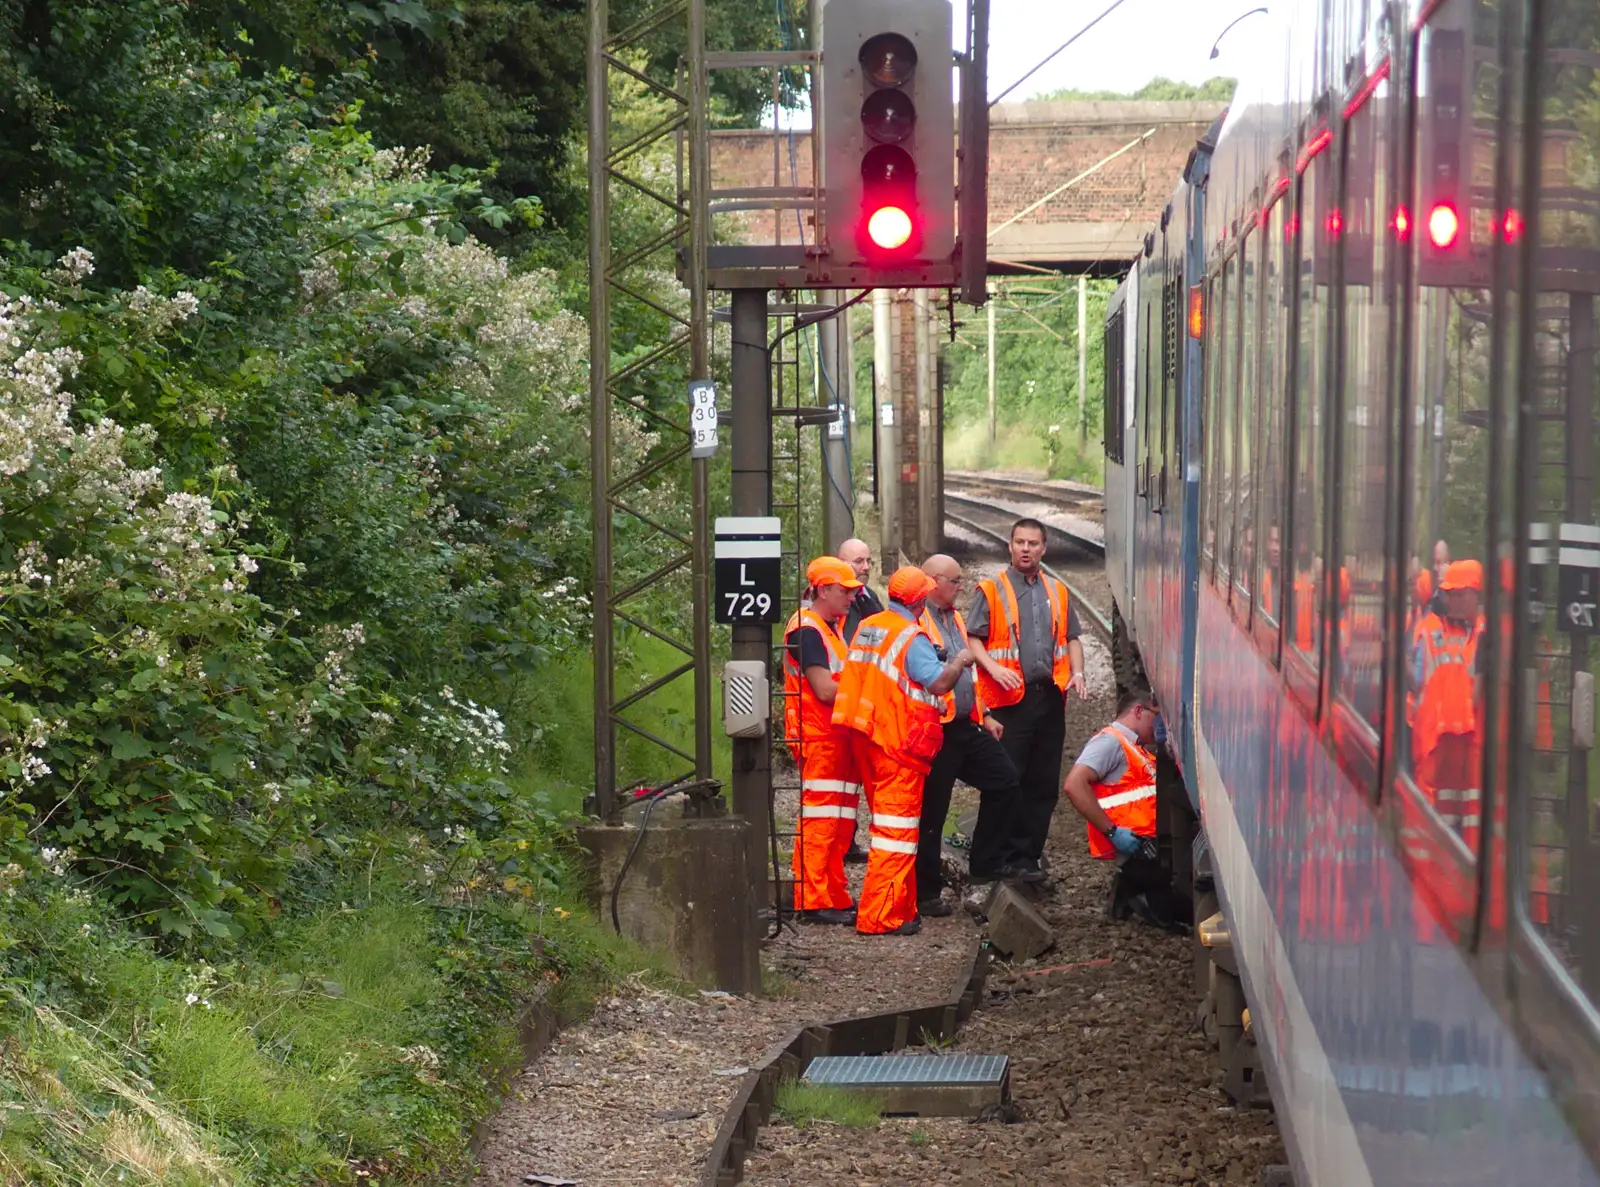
[[813, 659], [1445, 739], [1112, 785], [890, 699]]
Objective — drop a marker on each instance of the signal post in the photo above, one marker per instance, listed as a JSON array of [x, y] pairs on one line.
[[882, 216]]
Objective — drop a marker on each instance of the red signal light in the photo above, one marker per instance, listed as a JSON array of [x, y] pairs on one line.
[[1444, 225], [1197, 312], [1513, 226], [1335, 223], [1402, 223], [889, 227]]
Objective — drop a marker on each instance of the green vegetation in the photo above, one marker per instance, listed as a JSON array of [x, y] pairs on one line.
[[805, 1104], [1037, 426], [293, 642], [1157, 89]]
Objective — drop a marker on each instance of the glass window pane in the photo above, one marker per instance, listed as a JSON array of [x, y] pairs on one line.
[[1275, 299], [1364, 466], [1315, 269], [1208, 420], [1446, 500], [1227, 402], [1249, 341], [1561, 788]]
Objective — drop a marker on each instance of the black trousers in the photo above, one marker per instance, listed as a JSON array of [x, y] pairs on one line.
[[971, 755], [1036, 730], [1143, 875]]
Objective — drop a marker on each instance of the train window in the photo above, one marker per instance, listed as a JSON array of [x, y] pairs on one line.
[[1444, 499], [1559, 768], [1369, 272], [1171, 370], [1276, 295], [1227, 415], [1249, 340], [1315, 275], [1113, 387], [1209, 436]]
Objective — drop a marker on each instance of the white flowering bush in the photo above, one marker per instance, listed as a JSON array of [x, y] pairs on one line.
[[141, 673]]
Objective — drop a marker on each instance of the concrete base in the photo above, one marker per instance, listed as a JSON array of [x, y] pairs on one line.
[[1015, 928], [686, 893]]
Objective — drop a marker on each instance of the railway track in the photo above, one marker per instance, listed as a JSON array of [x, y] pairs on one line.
[[989, 522], [1073, 496]]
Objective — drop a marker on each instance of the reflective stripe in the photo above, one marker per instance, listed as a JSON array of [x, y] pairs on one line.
[[838, 785], [888, 845], [870, 636], [1127, 797], [883, 821], [826, 811], [1000, 653], [1457, 794]]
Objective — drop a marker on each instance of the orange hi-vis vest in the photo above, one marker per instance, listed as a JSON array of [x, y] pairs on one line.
[[1305, 609], [805, 718], [1445, 700], [1005, 646], [1130, 801], [951, 646], [877, 698]]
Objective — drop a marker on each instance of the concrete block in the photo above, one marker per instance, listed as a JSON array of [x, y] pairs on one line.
[[687, 893], [1015, 928]]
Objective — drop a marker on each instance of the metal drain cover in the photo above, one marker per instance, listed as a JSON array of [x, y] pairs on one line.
[[919, 1085]]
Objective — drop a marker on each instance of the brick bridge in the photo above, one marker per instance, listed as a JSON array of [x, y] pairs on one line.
[[1034, 149]]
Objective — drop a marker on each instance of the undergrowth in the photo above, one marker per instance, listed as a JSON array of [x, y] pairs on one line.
[[358, 1045]]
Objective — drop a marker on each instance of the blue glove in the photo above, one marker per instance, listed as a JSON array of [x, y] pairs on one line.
[[1125, 841]]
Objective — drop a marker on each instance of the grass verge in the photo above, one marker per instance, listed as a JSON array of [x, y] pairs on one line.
[[805, 1104], [360, 1043]]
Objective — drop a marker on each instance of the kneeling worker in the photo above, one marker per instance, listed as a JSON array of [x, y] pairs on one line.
[[813, 658], [890, 698], [1113, 787]]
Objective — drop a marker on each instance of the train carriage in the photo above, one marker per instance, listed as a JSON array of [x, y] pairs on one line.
[[1351, 526]]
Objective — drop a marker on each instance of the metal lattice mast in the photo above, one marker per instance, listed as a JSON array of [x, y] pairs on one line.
[[664, 562]]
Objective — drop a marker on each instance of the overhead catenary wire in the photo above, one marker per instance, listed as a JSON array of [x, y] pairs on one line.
[[1050, 57]]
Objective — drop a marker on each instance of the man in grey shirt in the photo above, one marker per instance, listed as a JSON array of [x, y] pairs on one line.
[[1020, 685]]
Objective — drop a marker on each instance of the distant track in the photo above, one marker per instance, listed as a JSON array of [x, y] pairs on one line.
[[1069, 495], [997, 531], [986, 509]]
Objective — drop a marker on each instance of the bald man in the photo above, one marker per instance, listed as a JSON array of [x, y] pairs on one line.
[[971, 752], [858, 555]]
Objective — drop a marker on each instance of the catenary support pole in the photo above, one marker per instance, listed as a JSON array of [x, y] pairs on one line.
[[605, 771], [927, 537], [1083, 360], [700, 368], [836, 500], [990, 307], [752, 495], [884, 410]]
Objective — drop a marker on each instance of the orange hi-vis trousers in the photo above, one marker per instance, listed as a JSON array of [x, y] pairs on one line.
[[829, 792], [889, 894]]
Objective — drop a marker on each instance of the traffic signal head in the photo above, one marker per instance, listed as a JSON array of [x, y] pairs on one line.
[[888, 134], [1444, 182]]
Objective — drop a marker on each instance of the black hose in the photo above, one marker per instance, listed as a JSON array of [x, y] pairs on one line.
[[633, 850]]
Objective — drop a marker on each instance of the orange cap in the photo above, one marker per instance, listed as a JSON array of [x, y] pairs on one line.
[[1422, 587], [1463, 575], [910, 584], [830, 570]]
